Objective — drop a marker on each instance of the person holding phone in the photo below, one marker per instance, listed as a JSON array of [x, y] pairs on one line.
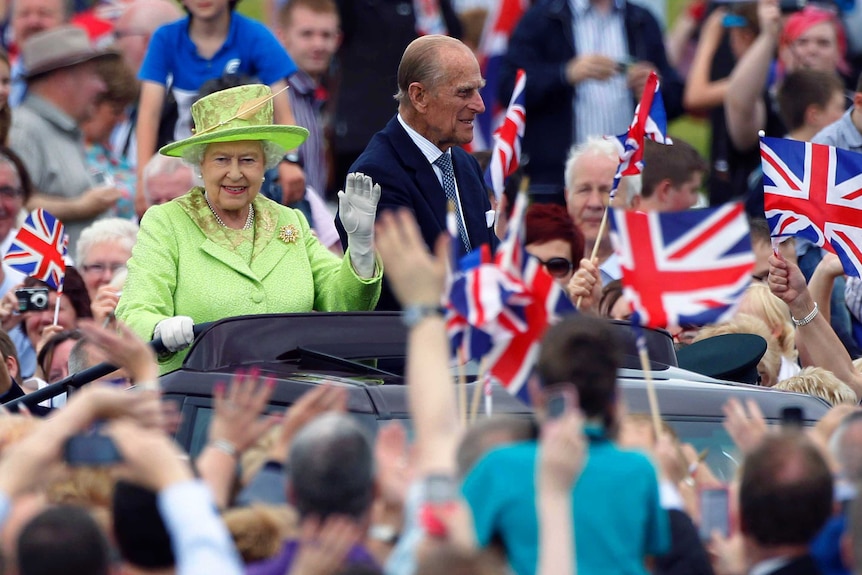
[[618, 517]]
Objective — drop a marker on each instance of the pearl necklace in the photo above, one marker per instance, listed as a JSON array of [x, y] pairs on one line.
[[248, 221]]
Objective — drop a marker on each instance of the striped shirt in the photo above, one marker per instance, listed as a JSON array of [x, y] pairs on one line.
[[601, 107], [306, 112]]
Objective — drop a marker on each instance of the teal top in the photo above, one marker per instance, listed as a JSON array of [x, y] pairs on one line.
[[618, 518]]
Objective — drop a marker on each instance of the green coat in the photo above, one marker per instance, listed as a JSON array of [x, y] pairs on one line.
[[185, 263]]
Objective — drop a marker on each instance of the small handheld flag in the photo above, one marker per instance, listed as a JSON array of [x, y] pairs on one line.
[[39, 249]]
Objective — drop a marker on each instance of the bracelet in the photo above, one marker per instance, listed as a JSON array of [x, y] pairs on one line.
[[224, 446], [807, 319], [147, 385]]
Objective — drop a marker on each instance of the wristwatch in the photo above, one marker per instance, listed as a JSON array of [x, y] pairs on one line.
[[413, 314], [292, 158]]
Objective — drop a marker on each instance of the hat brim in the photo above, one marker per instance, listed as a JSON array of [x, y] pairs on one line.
[[287, 137], [68, 61]]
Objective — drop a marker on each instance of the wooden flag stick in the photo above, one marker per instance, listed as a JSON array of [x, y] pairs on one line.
[[477, 392], [602, 227], [650, 386], [462, 390]]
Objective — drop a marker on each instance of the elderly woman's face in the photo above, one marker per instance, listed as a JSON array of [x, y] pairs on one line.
[[233, 173]]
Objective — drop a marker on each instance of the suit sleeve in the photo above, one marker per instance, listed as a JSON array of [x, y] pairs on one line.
[[148, 294]]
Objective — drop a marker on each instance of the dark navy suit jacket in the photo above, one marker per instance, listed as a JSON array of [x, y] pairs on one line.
[[407, 180]]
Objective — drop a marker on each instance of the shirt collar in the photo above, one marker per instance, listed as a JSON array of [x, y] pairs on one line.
[[302, 83], [429, 150], [768, 566], [580, 7], [52, 114]]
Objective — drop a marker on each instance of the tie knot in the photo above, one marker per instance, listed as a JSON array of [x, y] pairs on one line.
[[444, 162]]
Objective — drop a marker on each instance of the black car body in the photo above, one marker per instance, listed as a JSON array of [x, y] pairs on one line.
[[365, 352]]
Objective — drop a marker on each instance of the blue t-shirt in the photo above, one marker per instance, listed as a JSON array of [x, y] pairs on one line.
[[618, 518], [250, 49]]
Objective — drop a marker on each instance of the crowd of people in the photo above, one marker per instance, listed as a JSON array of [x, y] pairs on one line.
[[208, 165]]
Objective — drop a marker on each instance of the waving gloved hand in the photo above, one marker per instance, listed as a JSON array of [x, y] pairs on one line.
[[176, 332], [357, 207]]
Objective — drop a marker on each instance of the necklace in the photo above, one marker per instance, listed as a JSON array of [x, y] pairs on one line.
[[248, 221]]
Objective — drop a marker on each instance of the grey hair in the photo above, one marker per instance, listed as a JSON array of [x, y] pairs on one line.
[[109, 230], [160, 165], [79, 356], [272, 154], [422, 62], [847, 453], [593, 146], [632, 186], [332, 467]]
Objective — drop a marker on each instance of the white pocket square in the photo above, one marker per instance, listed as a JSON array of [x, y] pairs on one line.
[[489, 218]]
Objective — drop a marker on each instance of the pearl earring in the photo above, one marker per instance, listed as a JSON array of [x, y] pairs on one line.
[[263, 179]]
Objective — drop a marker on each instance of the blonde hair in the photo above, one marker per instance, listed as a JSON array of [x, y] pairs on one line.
[[770, 363], [761, 302], [259, 531], [821, 383]]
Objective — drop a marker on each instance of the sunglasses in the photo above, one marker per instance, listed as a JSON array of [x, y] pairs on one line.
[[557, 267]]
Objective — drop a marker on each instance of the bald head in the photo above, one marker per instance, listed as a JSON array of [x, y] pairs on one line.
[[138, 22]]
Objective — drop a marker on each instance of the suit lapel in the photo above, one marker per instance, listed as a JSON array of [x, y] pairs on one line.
[[414, 160], [472, 203]]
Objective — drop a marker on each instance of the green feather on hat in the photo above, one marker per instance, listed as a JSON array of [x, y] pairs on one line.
[[235, 115]]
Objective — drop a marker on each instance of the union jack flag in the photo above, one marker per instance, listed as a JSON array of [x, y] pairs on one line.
[[39, 249], [683, 268], [649, 122], [815, 192], [522, 299], [499, 25], [506, 155]]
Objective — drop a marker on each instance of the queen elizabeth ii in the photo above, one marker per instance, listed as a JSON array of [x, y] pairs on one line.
[[223, 250]]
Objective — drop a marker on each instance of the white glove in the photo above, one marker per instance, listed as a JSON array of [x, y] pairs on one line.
[[176, 332], [357, 207]]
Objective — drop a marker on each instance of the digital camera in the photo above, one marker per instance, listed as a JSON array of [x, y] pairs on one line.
[[32, 299]]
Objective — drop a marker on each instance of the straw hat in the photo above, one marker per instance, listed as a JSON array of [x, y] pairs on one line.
[[57, 48], [234, 115]]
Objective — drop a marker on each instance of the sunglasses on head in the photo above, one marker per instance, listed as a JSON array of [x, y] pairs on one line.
[[557, 267]]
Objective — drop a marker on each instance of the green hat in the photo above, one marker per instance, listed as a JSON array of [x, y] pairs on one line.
[[235, 115]]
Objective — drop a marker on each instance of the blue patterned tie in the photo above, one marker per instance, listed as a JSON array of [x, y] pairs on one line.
[[444, 162]]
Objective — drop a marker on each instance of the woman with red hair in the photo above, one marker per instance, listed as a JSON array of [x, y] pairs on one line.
[[554, 239]]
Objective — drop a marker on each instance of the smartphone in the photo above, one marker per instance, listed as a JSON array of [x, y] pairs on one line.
[[92, 449], [102, 179], [441, 494], [32, 299], [791, 417], [561, 401], [714, 512]]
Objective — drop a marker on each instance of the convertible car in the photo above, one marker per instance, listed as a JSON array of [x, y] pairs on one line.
[[365, 352]]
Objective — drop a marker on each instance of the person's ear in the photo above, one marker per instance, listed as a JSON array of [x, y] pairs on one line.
[[12, 367], [663, 191], [418, 96], [857, 100]]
